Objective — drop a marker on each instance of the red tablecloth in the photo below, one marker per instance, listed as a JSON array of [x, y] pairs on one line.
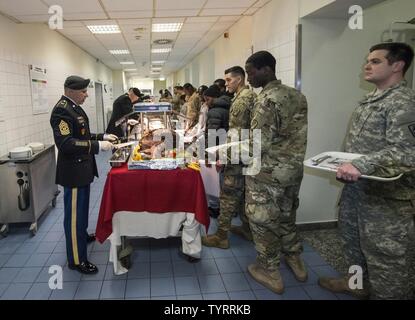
[[160, 191]]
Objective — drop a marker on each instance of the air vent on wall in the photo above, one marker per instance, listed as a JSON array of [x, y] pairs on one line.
[[162, 41]]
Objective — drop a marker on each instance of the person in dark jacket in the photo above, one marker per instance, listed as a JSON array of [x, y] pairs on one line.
[[122, 106], [217, 119]]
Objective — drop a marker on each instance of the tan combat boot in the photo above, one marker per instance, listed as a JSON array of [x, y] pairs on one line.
[[217, 240], [271, 280], [242, 231], [297, 266], [341, 285]]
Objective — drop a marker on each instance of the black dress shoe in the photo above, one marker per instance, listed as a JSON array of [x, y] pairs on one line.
[[84, 267], [213, 212], [90, 238]]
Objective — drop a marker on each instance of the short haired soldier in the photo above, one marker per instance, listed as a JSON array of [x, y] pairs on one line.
[[280, 112], [233, 191], [376, 219], [76, 168]]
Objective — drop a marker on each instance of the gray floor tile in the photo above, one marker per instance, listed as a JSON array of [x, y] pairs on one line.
[[235, 282], [141, 255], [206, 267], [227, 265], [9, 247], [325, 271], [59, 259], [4, 258], [88, 290], [160, 255], [27, 275], [164, 298], [211, 284], [16, 291], [161, 287], [161, 269], [60, 247], [216, 296], [46, 247], [113, 289], [99, 257], [139, 270], [39, 291], [242, 295], [183, 269], [17, 260], [295, 293], [187, 285], [3, 287], [190, 297], [102, 247], [7, 275], [244, 262], [37, 260], [28, 248], [138, 288], [53, 236], [246, 250], [109, 274], [221, 253], [317, 293], [66, 293]]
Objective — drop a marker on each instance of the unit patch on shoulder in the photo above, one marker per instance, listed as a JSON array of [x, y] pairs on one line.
[[63, 103], [64, 128], [412, 129]]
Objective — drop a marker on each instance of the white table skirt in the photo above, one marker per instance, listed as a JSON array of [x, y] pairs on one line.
[[154, 225]]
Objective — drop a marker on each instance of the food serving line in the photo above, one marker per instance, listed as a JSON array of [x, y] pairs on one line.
[[156, 198]]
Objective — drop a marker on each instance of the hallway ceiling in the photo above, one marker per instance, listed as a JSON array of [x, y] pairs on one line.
[[203, 21]]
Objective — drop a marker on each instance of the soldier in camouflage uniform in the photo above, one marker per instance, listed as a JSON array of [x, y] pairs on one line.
[[376, 218], [280, 112], [193, 105], [233, 191]]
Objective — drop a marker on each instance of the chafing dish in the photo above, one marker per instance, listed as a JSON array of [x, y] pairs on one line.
[[120, 157]]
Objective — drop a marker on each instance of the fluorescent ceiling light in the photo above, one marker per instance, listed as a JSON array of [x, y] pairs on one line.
[[126, 62], [161, 50], [167, 27], [110, 28], [130, 70], [162, 79], [155, 72], [120, 51], [158, 62]]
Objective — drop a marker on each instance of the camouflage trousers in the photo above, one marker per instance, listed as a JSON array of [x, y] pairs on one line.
[[379, 236], [232, 200], [271, 210]]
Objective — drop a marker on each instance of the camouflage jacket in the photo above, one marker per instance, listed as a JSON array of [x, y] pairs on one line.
[[193, 108], [281, 114], [240, 118], [383, 129]]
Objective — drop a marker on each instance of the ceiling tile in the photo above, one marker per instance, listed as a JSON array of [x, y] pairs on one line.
[[250, 11], [260, 3], [226, 11], [176, 13], [33, 18], [72, 24], [130, 14], [168, 20], [75, 31], [23, 7], [229, 18], [128, 5], [84, 15], [196, 27], [179, 4], [137, 22], [229, 4], [76, 6], [201, 19]]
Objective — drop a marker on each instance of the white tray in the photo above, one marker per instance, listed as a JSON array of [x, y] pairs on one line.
[[336, 159]]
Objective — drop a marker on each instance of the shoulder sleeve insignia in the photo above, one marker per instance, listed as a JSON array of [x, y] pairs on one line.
[[63, 103], [412, 129], [64, 128]]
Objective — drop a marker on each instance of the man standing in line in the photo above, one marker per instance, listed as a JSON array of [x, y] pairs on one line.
[[376, 219], [233, 191], [76, 168], [280, 112]]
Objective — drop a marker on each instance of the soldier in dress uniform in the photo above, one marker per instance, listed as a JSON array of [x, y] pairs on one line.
[[76, 168], [232, 194], [376, 218], [280, 112]]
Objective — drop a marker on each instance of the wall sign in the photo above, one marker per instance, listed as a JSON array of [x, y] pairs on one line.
[[38, 84]]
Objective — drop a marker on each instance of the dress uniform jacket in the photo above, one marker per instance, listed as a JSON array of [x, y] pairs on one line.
[[76, 166]]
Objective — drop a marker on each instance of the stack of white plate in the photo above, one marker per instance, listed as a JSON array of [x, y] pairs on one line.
[[20, 153], [36, 146]]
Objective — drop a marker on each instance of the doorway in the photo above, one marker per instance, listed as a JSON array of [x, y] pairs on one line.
[[99, 104]]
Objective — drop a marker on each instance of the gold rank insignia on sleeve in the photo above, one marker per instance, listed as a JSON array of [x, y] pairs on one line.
[[64, 128], [82, 143], [83, 131]]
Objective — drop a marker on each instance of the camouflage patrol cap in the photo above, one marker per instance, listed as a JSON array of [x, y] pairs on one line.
[[76, 83]]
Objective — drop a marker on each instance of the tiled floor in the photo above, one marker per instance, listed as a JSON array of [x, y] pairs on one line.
[[158, 270]]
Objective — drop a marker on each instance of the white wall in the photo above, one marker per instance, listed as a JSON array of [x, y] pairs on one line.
[[22, 45]]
